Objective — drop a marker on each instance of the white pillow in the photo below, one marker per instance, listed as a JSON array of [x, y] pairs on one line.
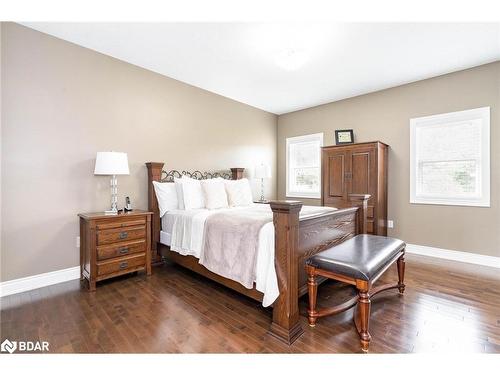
[[166, 194], [214, 193], [239, 192], [192, 193], [180, 194]]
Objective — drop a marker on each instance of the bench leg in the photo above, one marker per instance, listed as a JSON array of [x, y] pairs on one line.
[[363, 319], [401, 273], [312, 289]]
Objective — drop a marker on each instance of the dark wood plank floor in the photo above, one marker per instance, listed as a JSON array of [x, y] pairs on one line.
[[446, 308]]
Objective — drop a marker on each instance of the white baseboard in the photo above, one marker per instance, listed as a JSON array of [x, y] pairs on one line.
[[458, 256], [50, 278], [38, 281]]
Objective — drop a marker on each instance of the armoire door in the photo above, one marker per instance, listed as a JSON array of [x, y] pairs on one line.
[[359, 168], [334, 176], [362, 173]]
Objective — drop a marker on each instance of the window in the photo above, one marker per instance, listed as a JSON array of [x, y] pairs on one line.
[[450, 158], [303, 166]]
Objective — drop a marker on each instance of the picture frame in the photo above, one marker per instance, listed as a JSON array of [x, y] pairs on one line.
[[344, 136]]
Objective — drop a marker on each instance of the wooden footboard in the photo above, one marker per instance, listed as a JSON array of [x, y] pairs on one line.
[[298, 239], [295, 241]]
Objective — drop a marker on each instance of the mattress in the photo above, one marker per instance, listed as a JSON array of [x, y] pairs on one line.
[[167, 223], [189, 233]]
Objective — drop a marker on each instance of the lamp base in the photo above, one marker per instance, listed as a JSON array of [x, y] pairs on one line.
[[114, 197], [265, 201], [262, 199]]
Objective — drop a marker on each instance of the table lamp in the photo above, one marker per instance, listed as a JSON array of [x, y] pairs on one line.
[[261, 172], [112, 164]]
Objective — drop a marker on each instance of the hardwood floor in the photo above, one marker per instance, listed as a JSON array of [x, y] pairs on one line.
[[446, 308]]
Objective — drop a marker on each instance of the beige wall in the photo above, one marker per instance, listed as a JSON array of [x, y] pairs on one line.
[[62, 103], [385, 116]]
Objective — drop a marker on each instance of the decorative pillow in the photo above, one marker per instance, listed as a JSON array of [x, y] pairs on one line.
[[239, 192], [166, 194], [214, 193], [192, 193], [180, 194]]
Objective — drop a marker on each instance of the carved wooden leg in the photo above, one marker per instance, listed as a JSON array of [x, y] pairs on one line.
[[312, 288], [363, 319], [401, 273]]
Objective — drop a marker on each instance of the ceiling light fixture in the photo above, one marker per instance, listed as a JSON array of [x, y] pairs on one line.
[[291, 59], [288, 46]]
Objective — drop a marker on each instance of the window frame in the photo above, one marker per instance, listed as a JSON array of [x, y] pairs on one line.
[[301, 139], [452, 118]]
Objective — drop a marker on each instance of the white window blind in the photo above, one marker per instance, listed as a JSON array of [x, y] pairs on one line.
[[303, 157], [450, 158]]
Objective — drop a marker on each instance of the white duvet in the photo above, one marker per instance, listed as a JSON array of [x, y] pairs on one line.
[[182, 230]]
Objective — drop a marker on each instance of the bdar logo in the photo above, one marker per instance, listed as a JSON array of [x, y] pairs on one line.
[[8, 346]]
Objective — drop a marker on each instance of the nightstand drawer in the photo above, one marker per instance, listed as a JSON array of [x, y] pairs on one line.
[[121, 224], [107, 236], [121, 264], [121, 249]]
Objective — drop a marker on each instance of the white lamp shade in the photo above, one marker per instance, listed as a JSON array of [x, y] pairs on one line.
[[111, 163], [262, 171]]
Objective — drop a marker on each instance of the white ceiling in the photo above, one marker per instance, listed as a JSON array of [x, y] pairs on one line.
[[286, 67]]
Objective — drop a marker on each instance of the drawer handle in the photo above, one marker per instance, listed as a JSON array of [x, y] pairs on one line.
[[123, 265], [123, 235], [124, 250]]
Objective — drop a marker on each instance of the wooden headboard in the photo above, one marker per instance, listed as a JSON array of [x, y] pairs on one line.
[[157, 173]]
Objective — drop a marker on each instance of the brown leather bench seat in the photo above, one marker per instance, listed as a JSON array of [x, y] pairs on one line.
[[359, 261], [361, 257]]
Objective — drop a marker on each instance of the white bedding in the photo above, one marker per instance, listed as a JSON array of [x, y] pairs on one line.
[[182, 230]]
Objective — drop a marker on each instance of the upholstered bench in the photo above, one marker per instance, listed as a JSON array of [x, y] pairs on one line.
[[359, 261]]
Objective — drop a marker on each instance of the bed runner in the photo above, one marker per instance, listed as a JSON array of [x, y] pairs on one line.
[[231, 241]]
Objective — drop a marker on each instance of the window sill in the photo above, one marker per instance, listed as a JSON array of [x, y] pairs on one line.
[[302, 196], [440, 202]]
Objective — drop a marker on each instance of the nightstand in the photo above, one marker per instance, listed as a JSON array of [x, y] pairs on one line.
[[114, 245]]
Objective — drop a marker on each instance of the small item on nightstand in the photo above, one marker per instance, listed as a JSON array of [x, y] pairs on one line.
[[128, 205]]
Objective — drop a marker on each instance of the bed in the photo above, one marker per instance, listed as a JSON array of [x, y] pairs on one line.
[[292, 234]]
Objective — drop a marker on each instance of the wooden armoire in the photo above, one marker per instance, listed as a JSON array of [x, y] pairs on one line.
[[358, 168]]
